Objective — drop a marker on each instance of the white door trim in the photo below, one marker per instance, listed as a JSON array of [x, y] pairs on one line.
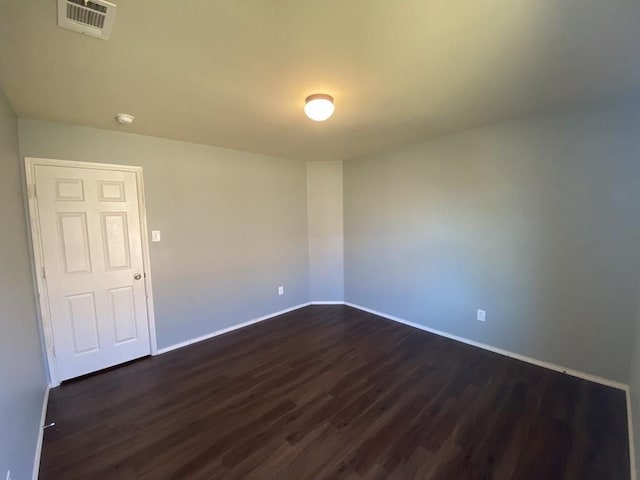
[[44, 314]]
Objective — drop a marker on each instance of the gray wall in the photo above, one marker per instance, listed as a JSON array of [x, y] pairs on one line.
[[22, 376], [537, 222], [326, 250], [234, 224]]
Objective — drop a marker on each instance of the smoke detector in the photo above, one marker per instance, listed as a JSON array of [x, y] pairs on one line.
[[91, 17], [125, 119]]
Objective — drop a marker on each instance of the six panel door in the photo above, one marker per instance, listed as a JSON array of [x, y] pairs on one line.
[[92, 247]]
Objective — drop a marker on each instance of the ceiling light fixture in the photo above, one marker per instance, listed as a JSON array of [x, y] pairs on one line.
[[125, 118], [319, 106]]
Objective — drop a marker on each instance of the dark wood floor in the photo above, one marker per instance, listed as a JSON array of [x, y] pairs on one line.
[[329, 392]]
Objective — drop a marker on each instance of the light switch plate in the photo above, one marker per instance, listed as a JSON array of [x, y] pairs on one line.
[[155, 236], [482, 315]]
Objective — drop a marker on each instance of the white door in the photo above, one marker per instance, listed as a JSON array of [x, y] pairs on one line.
[[92, 247]]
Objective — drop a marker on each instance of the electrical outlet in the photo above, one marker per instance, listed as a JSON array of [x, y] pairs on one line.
[[482, 315], [280, 290]]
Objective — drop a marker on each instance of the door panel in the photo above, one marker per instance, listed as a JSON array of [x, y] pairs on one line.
[[124, 314], [92, 248], [115, 238], [69, 189], [74, 242], [84, 323]]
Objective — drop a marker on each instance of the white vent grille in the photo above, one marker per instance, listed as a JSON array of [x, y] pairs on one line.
[[91, 17]]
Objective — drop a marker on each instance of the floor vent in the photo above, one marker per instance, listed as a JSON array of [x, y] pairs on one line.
[[91, 17]]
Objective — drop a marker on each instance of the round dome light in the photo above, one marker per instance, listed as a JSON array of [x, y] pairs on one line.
[[319, 106]]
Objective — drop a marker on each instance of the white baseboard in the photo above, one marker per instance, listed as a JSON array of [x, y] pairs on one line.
[[229, 329], [632, 449], [507, 353], [43, 419], [328, 302]]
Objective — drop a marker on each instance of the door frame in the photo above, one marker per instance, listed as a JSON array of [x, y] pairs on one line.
[[44, 315]]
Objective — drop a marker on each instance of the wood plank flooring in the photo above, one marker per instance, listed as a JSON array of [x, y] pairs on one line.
[[330, 392]]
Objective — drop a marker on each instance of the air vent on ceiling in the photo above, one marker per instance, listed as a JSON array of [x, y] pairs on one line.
[[91, 17]]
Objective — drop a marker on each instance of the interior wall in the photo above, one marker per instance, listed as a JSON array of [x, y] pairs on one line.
[[326, 246], [534, 221], [233, 224], [22, 376]]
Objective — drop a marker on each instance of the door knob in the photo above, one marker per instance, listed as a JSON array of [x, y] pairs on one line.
[[137, 276]]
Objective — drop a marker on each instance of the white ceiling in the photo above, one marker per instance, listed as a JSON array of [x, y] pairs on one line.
[[235, 73]]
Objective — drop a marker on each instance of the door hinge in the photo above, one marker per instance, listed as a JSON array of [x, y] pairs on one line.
[[44, 273]]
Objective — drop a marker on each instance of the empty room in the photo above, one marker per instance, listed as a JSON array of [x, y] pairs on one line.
[[319, 240]]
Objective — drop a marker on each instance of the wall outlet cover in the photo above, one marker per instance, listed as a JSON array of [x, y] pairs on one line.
[[280, 290], [482, 315]]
